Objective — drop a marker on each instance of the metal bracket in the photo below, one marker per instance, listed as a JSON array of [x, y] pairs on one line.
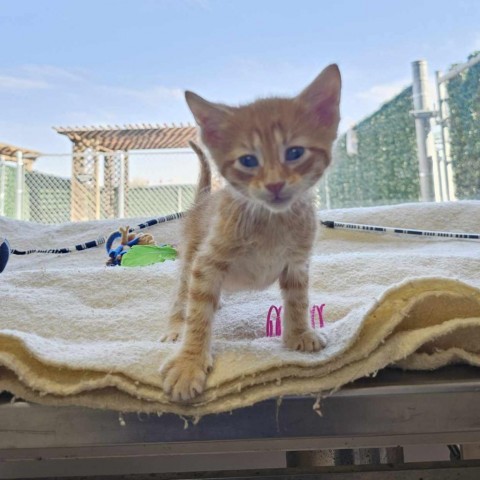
[[423, 113]]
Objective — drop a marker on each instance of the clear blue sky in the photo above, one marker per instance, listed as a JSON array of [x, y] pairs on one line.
[[113, 62]]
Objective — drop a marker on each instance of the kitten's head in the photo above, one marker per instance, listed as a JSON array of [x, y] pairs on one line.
[[273, 150]]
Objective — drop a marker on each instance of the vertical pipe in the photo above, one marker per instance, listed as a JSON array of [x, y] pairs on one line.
[[89, 183], [19, 183], [443, 114], [121, 186], [3, 182], [126, 182], [327, 191], [179, 198], [422, 127], [98, 162]]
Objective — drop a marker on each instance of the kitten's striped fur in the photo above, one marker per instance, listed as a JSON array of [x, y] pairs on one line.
[[259, 228]]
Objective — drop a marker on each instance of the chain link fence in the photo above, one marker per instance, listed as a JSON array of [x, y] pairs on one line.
[[113, 185]]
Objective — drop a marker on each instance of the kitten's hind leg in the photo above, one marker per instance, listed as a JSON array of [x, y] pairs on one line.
[[297, 333]]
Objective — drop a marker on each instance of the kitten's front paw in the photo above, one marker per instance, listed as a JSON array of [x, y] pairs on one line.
[[307, 341], [184, 376]]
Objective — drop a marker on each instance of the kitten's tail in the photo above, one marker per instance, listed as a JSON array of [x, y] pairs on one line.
[[205, 180]]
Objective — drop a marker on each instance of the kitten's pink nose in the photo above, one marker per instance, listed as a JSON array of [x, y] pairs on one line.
[[275, 188]]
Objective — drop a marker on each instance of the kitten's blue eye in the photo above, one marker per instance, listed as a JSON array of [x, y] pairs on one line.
[[249, 161], [294, 153]]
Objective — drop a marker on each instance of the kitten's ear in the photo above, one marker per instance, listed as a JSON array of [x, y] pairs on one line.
[[322, 96], [209, 116]]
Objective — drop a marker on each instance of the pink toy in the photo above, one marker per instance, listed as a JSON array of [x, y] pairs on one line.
[[278, 320], [319, 310]]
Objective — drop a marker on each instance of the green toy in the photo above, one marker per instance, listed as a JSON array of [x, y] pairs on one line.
[[143, 255]]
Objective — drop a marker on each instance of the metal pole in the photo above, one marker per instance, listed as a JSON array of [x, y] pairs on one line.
[[443, 126], [422, 113], [179, 199], [3, 181], [19, 187], [443, 116], [121, 186], [327, 191], [98, 162]]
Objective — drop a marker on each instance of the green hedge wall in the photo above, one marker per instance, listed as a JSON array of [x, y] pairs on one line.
[[464, 106], [385, 170]]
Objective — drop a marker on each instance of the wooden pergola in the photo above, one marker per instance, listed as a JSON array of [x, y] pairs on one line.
[[8, 153], [89, 143]]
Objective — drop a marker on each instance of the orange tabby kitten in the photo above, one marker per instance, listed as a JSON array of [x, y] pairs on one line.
[[258, 229]]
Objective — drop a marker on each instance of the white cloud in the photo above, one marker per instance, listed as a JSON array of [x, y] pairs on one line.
[[36, 77], [53, 72], [8, 82], [150, 95], [383, 92], [32, 76]]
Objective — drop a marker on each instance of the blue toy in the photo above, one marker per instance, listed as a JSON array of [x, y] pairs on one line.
[[4, 254], [115, 254]]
